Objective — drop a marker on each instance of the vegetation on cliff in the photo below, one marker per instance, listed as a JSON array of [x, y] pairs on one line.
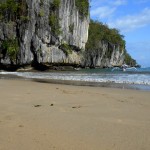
[[13, 10], [8, 10], [129, 60], [54, 18], [99, 32], [83, 7], [11, 47]]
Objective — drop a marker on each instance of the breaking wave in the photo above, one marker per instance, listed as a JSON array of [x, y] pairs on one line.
[[140, 76]]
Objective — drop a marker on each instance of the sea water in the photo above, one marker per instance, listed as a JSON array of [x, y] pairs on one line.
[[139, 76]]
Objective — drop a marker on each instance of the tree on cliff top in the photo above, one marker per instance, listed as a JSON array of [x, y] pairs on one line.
[[101, 32], [83, 7], [129, 60]]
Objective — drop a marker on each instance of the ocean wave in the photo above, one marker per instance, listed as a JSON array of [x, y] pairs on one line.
[[141, 79]]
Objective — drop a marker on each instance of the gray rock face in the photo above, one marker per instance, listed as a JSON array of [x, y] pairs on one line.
[[38, 42], [34, 33], [70, 17], [107, 55]]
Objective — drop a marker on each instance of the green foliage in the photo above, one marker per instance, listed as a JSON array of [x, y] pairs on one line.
[[24, 18], [54, 23], [11, 47], [12, 10], [23, 8], [54, 18], [101, 32], [129, 60], [66, 49], [83, 7], [41, 13], [1, 16], [41, 2], [39, 50], [8, 9], [55, 5], [71, 28]]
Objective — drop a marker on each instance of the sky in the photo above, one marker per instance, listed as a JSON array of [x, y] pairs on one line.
[[132, 18]]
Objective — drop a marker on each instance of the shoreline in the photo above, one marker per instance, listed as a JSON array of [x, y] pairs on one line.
[[37, 115], [80, 83]]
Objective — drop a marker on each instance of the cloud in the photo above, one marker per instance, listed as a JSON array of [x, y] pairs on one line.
[[104, 9], [132, 22], [102, 12], [118, 2], [141, 1]]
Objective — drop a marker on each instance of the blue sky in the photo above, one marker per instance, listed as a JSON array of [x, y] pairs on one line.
[[132, 18]]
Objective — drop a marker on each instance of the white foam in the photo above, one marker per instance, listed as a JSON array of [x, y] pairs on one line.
[[143, 79]]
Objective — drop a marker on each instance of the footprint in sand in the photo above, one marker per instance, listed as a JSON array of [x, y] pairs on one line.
[[77, 106], [37, 105], [121, 101], [21, 126], [8, 117]]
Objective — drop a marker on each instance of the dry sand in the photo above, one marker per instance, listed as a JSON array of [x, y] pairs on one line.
[[40, 116]]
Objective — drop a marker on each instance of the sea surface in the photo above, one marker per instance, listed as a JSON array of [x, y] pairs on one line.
[[138, 78]]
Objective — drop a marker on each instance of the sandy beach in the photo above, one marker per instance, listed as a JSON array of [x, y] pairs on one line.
[[44, 116]]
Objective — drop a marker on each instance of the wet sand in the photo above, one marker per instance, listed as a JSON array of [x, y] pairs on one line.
[[41, 116]]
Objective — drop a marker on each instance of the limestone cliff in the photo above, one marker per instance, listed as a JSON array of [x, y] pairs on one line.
[[105, 55], [105, 46], [45, 31], [56, 31]]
